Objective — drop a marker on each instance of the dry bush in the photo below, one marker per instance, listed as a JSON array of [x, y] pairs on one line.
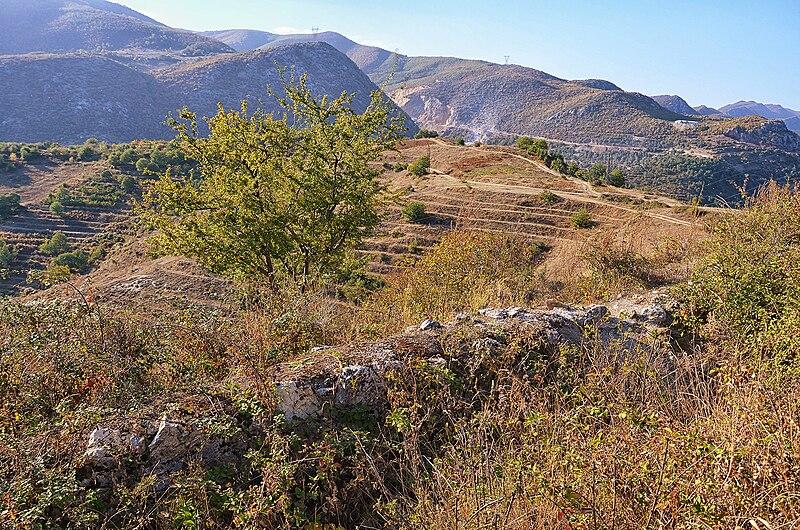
[[467, 270]]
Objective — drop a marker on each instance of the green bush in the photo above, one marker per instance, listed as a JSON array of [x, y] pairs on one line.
[[548, 197], [413, 212], [616, 178], [6, 257], [76, 260], [426, 133], [748, 287], [420, 166], [581, 219], [56, 208], [57, 244], [9, 205]]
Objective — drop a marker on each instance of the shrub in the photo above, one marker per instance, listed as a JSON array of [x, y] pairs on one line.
[[57, 244], [6, 257], [748, 287], [56, 208], [581, 219], [9, 205], [616, 178], [399, 167], [466, 270], [458, 140], [413, 212], [548, 197], [426, 133], [76, 260], [128, 184], [420, 166]]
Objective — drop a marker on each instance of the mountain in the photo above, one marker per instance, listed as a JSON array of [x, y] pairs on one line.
[[59, 26], [768, 110], [753, 108], [242, 40], [702, 110], [69, 98], [674, 103], [367, 58], [479, 99], [230, 78]]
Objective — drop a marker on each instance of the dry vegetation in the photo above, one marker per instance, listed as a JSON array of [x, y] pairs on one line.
[[698, 429]]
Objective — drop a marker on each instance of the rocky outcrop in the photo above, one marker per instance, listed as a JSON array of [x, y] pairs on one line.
[[767, 133], [358, 377]]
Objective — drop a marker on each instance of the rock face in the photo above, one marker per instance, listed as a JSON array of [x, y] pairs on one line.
[[768, 133]]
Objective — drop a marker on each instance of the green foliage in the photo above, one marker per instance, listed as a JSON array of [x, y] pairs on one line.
[[426, 133], [75, 261], [458, 140], [399, 167], [7, 255], [101, 191], [128, 184], [286, 196], [57, 244], [420, 166], [9, 205], [616, 178], [413, 212], [748, 288], [56, 208], [581, 219], [548, 197], [596, 173]]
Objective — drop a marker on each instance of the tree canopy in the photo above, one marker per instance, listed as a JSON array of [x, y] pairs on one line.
[[275, 196]]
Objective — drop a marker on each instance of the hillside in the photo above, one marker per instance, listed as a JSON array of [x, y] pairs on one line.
[[70, 98], [674, 103], [475, 360], [58, 26], [77, 97], [230, 78]]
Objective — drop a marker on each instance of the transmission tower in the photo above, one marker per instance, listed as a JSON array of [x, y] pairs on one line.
[[507, 57], [315, 30]]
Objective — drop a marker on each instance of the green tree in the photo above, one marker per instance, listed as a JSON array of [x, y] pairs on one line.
[[76, 260], [426, 133], [420, 166], [413, 211], [285, 196], [57, 244], [6, 257], [596, 173], [616, 178], [9, 205]]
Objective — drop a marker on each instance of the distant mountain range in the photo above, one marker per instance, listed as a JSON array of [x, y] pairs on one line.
[[735, 110], [74, 69], [60, 26]]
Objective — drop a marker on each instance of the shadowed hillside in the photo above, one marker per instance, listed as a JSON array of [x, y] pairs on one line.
[[76, 97], [56, 26]]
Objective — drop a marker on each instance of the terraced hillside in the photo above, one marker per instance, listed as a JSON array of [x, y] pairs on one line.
[[26, 232], [487, 188], [500, 189]]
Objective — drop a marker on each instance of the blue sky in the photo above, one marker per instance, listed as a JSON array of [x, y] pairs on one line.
[[709, 52]]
